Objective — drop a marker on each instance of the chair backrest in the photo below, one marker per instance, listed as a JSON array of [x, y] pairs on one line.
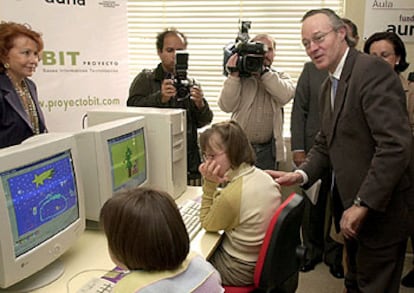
[[278, 261]]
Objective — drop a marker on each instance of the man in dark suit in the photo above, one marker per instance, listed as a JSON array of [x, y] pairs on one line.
[[305, 124], [366, 139]]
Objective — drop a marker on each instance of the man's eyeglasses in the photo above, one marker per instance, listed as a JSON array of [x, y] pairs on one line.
[[318, 38]]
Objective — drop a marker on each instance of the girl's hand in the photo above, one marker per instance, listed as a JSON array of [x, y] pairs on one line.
[[210, 170]]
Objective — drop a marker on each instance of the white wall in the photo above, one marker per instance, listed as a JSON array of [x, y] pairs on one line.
[[355, 10]]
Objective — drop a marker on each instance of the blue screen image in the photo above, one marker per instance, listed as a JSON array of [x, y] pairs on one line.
[[42, 200]]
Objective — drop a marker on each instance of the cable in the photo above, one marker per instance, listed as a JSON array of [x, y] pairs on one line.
[[85, 116]]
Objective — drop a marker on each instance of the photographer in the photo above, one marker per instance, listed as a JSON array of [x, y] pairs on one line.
[[256, 100], [157, 88]]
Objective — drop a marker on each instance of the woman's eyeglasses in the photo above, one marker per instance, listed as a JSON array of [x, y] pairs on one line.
[[207, 157]]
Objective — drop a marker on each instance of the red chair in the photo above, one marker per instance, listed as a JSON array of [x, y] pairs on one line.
[[277, 267]]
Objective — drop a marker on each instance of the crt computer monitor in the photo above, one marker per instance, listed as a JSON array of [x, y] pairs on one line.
[[167, 142], [113, 157], [41, 210]]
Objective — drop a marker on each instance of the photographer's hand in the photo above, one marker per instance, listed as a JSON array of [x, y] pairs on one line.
[[167, 90], [197, 96], [231, 65], [259, 75]]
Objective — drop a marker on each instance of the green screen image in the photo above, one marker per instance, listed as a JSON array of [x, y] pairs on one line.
[[128, 160]]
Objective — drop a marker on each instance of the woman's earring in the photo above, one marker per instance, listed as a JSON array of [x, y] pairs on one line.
[[6, 65]]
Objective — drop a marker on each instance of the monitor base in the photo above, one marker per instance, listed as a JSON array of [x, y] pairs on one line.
[[40, 279]]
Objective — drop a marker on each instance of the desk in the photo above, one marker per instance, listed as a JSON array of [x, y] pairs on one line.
[[91, 253]]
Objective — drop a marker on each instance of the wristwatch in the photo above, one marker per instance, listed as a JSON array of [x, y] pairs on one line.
[[359, 203]]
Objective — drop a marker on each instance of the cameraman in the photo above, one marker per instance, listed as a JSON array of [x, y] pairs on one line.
[[256, 104], [155, 88]]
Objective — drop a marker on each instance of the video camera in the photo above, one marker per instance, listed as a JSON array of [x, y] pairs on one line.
[[181, 83], [251, 54]]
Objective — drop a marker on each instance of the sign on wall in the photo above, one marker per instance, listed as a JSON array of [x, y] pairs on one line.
[[390, 15], [85, 59]]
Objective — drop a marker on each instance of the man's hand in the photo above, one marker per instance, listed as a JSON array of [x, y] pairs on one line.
[[298, 157], [352, 219], [285, 178], [167, 90], [232, 63], [197, 96]]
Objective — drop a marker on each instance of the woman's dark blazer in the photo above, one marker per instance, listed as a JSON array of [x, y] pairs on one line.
[[14, 122]]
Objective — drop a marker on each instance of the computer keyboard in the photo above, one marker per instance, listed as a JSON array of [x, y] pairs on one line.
[[105, 283], [97, 285], [189, 210]]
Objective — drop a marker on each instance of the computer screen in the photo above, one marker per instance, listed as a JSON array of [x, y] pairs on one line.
[[41, 208], [113, 157], [128, 161], [167, 143]]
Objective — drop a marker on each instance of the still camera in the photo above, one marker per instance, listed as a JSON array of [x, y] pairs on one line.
[[181, 83]]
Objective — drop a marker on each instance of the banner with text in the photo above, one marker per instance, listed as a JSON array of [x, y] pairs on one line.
[[390, 15], [85, 60]]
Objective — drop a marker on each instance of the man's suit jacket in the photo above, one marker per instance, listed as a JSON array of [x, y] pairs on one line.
[[305, 121], [14, 122], [367, 140]]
